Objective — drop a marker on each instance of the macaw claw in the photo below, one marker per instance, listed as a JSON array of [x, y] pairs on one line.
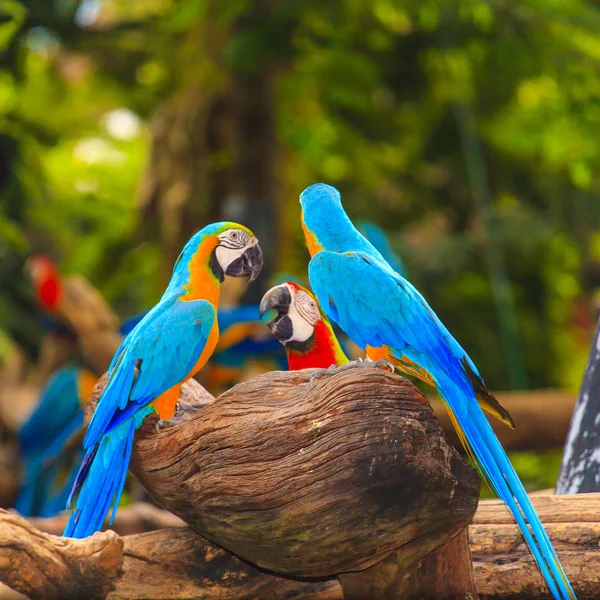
[[355, 364]]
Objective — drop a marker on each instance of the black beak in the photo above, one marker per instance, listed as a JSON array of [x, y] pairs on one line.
[[250, 263], [280, 299]]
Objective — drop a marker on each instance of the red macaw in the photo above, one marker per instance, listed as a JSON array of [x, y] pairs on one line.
[[302, 327]]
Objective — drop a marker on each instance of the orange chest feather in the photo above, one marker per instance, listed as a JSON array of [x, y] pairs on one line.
[[209, 348], [311, 239]]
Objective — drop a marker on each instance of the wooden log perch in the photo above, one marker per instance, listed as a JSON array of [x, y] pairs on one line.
[[349, 477], [177, 563], [139, 517], [313, 480], [503, 565], [167, 564]]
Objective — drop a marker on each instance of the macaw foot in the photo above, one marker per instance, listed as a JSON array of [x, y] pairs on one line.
[[164, 423], [355, 364]]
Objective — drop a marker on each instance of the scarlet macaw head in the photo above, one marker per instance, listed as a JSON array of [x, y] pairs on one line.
[[45, 277], [298, 312]]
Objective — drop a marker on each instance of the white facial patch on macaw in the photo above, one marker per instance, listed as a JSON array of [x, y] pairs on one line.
[[232, 244], [304, 313]]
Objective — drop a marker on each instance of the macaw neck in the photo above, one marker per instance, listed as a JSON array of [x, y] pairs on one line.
[[321, 350], [197, 274]]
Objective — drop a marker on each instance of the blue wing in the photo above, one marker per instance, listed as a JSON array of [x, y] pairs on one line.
[[404, 321], [160, 352]]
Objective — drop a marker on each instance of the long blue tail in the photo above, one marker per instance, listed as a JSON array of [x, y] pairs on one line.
[[477, 434], [100, 481]]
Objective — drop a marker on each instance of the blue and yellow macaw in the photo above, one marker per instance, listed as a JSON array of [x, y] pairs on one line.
[[380, 241], [58, 416], [166, 348], [382, 311]]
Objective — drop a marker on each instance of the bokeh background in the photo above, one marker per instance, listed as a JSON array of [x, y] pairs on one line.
[[467, 129]]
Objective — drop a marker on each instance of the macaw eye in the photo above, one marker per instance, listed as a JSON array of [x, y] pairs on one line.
[[312, 304], [234, 235]]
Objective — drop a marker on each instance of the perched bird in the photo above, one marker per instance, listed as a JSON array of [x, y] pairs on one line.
[[378, 308], [166, 348], [57, 418], [379, 239], [302, 327]]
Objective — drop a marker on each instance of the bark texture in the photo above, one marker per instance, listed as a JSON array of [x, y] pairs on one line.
[[504, 567], [177, 563], [312, 478]]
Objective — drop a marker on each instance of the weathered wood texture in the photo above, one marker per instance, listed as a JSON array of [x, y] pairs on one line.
[[177, 563], [502, 564], [46, 567], [444, 574], [580, 469], [312, 480], [168, 564], [542, 419]]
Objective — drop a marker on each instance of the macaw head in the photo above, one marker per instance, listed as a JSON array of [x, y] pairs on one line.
[[45, 277], [298, 312], [226, 248], [238, 253]]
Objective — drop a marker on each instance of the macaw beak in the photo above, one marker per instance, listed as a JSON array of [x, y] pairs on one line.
[[250, 263], [280, 299]]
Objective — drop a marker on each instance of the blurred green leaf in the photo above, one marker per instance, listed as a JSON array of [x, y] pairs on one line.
[[12, 16]]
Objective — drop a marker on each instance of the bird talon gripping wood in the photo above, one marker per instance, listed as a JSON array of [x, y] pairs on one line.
[[166, 348]]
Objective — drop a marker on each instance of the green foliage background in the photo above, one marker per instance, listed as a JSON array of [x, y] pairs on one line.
[[372, 96]]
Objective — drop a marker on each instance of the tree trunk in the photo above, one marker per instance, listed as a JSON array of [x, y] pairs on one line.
[[580, 469]]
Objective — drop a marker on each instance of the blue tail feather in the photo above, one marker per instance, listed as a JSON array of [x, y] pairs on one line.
[[37, 486], [101, 479], [495, 464]]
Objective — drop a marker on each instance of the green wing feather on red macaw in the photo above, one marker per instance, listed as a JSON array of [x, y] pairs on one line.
[[378, 309], [167, 347]]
